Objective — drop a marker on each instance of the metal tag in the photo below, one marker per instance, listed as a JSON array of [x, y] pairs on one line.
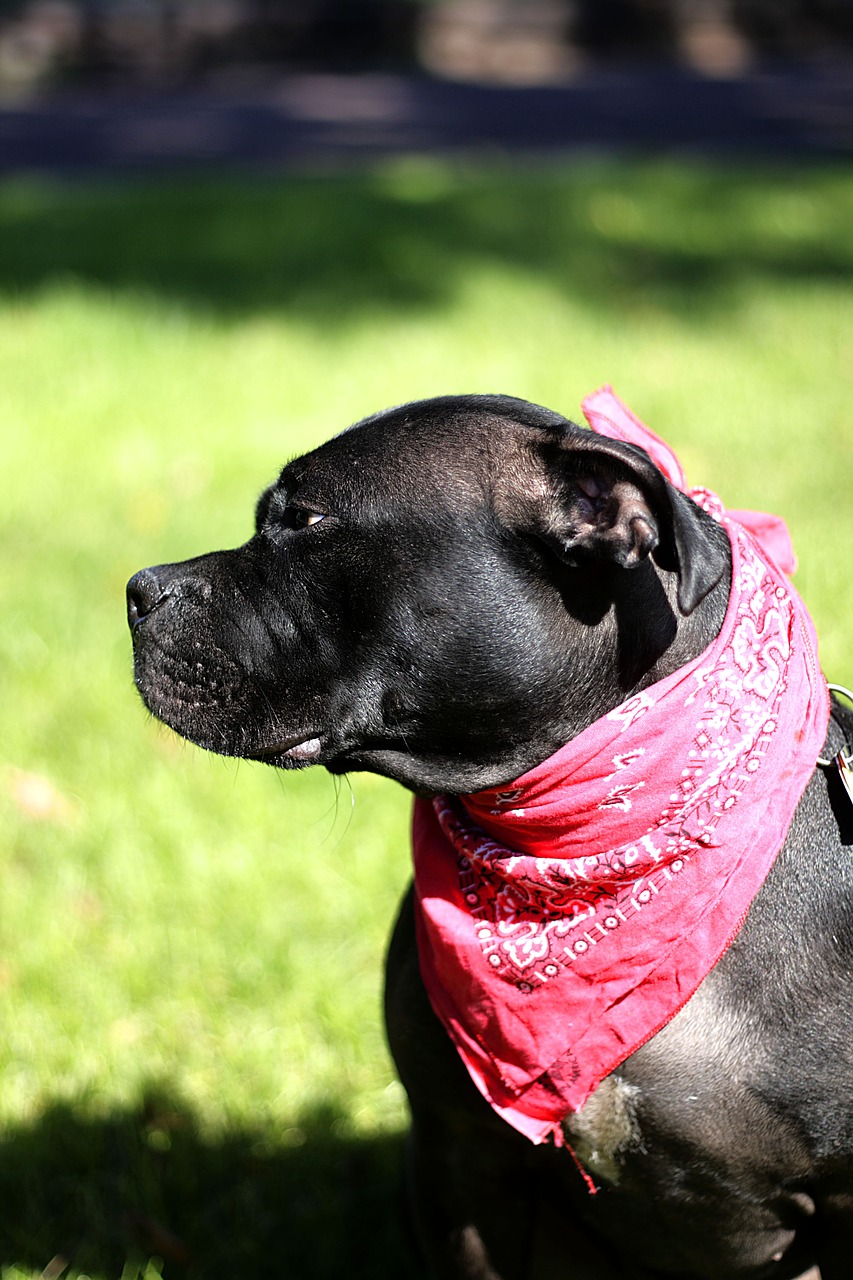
[[844, 765]]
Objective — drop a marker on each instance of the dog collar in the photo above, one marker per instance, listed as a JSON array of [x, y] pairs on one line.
[[564, 919]]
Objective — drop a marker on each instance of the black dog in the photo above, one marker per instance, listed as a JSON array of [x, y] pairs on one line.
[[432, 596]]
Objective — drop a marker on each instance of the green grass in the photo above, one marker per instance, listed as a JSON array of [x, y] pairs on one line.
[[194, 1079]]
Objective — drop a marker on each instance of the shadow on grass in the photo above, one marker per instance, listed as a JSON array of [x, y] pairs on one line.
[[101, 1195], [678, 236]]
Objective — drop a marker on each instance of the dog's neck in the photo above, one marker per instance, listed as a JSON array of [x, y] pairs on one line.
[[624, 632], [654, 638], [640, 637]]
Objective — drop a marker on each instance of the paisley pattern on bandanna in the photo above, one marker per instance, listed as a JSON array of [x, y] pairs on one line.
[[566, 917]]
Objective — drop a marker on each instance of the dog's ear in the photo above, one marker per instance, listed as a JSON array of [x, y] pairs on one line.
[[606, 500]]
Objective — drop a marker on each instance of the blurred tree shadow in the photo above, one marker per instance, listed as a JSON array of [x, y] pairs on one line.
[[91, 1194], [324, 248]]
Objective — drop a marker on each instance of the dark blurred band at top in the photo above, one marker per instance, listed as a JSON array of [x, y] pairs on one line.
[[50, 44]]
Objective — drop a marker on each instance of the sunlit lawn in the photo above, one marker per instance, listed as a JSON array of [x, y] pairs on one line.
[[194, 1076]]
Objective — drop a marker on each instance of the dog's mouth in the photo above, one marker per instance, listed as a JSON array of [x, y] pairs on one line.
[[300, 750]]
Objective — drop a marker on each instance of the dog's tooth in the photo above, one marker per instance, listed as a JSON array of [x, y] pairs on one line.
[[308, 750]]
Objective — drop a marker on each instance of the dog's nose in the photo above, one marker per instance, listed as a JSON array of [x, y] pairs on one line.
[[144, 592]]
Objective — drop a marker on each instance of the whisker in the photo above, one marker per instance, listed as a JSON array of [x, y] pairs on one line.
[[332, 808], [338, 781]]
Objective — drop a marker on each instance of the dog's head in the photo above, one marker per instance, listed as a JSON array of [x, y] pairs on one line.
[[444, 594]]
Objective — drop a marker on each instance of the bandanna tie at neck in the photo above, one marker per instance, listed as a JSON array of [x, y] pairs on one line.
[[565, 918]]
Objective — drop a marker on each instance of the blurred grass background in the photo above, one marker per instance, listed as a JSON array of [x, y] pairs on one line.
[[194, 1079]]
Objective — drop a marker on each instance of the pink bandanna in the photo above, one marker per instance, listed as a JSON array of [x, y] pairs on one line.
[[566, 917]]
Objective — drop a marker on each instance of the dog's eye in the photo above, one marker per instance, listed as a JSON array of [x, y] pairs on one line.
[[301, 517]]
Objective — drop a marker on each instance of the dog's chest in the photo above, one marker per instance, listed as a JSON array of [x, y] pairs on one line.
[[647, 1151]]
